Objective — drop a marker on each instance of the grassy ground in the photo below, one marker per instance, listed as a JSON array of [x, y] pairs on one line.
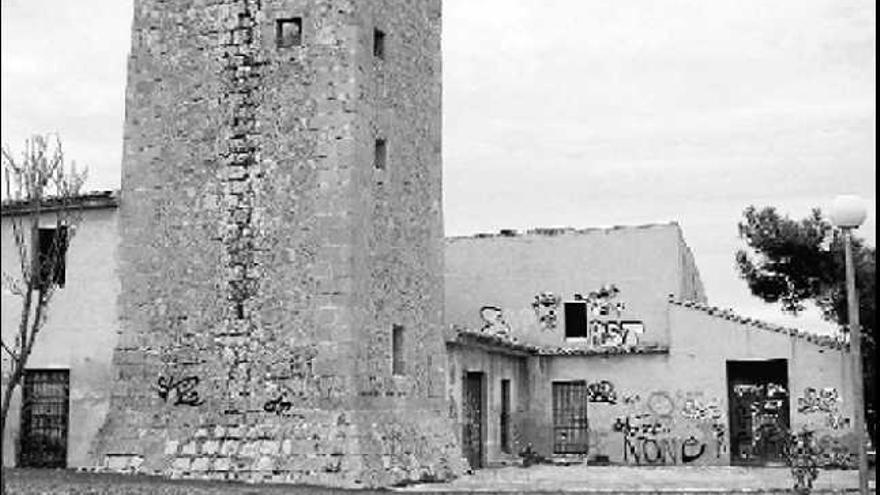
[[510, 480]]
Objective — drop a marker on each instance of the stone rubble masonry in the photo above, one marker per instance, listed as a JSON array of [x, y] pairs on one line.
[[265, 260]]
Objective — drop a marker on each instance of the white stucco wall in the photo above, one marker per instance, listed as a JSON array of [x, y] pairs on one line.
[[646, 263], [81, 330]]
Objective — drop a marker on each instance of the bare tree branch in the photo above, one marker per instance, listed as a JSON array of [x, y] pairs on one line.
[[39, 176], [6, 348], [12, 285]]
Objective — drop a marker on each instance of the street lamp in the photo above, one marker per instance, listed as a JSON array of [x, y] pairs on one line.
[[847, 213]]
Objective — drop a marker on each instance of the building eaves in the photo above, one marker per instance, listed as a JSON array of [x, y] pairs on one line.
[[500, 342], [86, 201], [729, 315], [604, 351], [506, 343]]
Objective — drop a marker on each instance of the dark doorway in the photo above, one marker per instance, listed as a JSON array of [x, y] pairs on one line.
[[472, 426], [44, 418], [570, 417], [505, 416], [757, 394]]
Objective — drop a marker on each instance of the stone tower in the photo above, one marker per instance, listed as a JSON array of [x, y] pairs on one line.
[[281, 257]]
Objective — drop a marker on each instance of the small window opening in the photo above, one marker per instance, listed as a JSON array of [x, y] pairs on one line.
[[397, 364], [379, 44], [288, 32], [239, 310], [380, 154], [51, 256], [575, 320]]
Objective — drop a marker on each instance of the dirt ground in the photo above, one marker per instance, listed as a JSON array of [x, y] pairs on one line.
[[617, 479], [509, 480]]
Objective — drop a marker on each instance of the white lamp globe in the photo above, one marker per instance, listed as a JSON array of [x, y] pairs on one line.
[[848, 211]]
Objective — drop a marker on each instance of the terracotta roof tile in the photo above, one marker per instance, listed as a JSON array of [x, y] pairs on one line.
[[728, 314], [506, 341]]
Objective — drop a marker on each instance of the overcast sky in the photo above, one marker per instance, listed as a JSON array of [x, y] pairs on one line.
[[562, 112]]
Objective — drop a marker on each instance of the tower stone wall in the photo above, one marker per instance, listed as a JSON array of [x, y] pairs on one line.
[[266, 257]]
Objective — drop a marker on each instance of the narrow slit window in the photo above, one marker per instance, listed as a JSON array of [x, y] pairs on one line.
[[379, 44], [397, 363], [288, 32], [380, 154]]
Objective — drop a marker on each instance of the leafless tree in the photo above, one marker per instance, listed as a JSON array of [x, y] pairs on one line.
[[42, 187]]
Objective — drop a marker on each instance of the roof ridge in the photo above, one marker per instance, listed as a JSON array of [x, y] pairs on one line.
[[730, 315], [563, 230], [87, 199]]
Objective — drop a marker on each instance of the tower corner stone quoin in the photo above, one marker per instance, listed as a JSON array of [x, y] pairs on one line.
[[267, 255]]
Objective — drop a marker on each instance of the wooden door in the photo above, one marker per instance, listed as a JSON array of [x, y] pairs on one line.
[[504, 420], [44, 418], [570, 417], [472, 426]]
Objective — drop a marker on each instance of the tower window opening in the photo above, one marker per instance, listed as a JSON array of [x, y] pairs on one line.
[[397, 363], [380, 154], [379, 44], [288, 32]]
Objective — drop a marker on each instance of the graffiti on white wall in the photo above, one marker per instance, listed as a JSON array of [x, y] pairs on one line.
[[818, 401], [605, 326], [662, 428], [546, 307], [836, 452], [615, 333], [825, 401], [493, 320], [698, 410], [602, 391]]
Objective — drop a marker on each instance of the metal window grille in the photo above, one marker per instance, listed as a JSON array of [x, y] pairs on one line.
[[44, 418], [570, 417]]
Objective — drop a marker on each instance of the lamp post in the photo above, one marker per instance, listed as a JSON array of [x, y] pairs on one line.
[[847, 213]]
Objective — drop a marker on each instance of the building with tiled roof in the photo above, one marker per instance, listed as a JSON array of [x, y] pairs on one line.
[[600, 344]]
